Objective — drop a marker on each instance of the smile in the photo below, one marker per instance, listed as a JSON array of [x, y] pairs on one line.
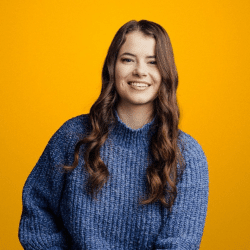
[[139, 84]]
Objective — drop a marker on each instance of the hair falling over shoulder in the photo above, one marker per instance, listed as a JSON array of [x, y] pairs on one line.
[[162, 174]]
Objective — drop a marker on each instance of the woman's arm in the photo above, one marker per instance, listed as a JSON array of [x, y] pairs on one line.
[[40, 226], [183, 227]]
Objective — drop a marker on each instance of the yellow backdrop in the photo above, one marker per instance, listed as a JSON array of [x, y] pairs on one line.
[[51, 56]]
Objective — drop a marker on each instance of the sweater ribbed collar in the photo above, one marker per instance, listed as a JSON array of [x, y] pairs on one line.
[[124, 136]]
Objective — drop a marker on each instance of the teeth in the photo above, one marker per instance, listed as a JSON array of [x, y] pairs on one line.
[[138, 84]]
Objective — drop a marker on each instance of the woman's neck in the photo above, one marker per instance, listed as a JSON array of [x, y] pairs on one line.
[[135, 117]]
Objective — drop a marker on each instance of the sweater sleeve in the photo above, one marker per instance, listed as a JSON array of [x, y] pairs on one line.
[[40, 225], [183, 226]]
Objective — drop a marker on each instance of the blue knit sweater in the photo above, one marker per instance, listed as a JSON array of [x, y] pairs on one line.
[[59, 214]]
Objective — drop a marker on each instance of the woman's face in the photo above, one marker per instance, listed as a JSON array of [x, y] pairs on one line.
[[137, 77]]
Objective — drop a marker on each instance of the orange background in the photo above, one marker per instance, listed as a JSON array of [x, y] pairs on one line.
[[51, 56]]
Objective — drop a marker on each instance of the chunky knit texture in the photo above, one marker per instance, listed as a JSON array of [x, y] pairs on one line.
[[59, 214]]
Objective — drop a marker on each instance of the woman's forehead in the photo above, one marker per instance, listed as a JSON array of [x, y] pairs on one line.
[[137, 42]]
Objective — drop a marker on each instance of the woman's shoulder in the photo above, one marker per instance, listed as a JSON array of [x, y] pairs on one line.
[[196, 165], [190, 147], [77, 124], [73, 129]]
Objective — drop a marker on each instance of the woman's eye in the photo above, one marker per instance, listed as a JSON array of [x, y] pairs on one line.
[[126, 60], [152, 62]]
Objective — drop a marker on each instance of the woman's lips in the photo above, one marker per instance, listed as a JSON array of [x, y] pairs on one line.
[[139, 85]]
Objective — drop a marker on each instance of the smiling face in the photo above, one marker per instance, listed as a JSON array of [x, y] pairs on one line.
[[137, 77]]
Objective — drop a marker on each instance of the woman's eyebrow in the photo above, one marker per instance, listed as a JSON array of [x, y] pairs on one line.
[[129, 54]]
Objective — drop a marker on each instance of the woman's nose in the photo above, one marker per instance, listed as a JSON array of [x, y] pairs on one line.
[[140, 70]]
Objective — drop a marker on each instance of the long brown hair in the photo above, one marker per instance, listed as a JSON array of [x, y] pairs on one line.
[[162, 174]]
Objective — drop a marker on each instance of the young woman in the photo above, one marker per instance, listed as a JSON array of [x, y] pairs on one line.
[[123, 176]]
